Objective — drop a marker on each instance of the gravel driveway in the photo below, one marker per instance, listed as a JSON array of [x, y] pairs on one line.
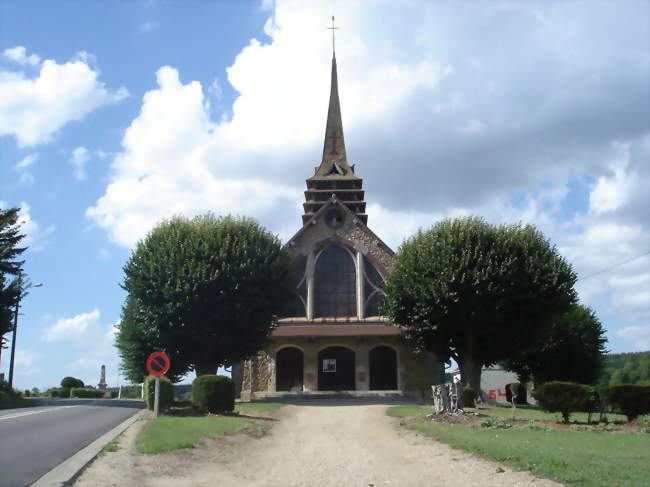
[[321, 443]]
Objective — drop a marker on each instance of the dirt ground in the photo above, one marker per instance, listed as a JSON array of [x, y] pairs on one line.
[[324, 443]]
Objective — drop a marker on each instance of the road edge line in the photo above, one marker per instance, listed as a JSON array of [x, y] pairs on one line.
[[67, 471]]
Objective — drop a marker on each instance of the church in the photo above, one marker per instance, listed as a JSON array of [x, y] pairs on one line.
[[332, 337]]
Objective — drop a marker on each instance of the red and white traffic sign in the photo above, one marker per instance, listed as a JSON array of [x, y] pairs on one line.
[[158, 363]]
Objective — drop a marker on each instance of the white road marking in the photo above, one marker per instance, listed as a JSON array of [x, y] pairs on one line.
[[18, 415]]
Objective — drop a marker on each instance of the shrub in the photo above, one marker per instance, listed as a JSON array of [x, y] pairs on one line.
[[4, 386], [632, 400], [469, 396], [166, 392], [70, 382], [213, 393], [60, 392], [565, 398], [85, 392]]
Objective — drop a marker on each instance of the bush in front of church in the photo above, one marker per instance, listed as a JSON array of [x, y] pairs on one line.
[[166, 392], [631, 399], [213, 393], [565, 398]]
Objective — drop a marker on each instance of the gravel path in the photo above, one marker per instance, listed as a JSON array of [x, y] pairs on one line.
[[329, 444]]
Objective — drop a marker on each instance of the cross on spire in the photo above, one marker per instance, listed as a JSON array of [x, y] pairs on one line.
[[333, 28]]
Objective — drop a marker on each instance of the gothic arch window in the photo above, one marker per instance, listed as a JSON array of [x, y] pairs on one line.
[[373, 288], [335, 283], [297, 306]]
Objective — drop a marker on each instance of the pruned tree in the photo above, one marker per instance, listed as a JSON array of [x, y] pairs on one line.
[[205, 290], [572, 351], [476, 292]]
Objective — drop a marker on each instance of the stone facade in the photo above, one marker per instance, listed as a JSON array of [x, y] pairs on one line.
[[333, 337]]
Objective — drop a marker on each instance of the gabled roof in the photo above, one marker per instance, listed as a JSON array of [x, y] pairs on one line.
[[333, 200]]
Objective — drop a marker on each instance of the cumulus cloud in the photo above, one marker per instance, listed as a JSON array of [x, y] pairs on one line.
[[536, 118], [73, 329], [33, 109], [148, 26], [19, 55], [78, 160]]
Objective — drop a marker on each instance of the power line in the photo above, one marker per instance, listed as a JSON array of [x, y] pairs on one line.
[[614, 266]]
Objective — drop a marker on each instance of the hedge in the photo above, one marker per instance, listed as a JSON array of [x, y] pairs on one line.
[[632, 400], [565, 398], [84, 392], [60, 392], [213, 393], [166, 392]]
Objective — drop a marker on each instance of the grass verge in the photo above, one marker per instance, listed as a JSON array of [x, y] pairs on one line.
[[584, 458], [172, 432], [110, 447], [257, 407]]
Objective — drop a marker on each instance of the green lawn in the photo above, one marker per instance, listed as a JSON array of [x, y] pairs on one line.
[[571, 457], [257, 407], [172, 432]]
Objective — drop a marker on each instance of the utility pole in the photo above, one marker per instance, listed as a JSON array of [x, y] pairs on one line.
[[22, 292]]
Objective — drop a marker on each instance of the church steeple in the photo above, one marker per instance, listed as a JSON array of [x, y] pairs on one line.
[[334, 175], [334, 156]]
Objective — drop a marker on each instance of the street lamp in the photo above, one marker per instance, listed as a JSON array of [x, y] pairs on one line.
[[22, 292]]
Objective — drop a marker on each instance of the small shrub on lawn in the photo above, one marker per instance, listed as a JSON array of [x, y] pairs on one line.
[[564, 398], [83, 392], [213, 393], [632, 400], [469, 396], [70, 382], [166, 392]]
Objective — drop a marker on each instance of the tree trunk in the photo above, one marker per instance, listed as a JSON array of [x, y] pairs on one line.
[[205, 367], [470, 366]]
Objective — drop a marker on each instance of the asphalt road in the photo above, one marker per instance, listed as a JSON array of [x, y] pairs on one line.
[[34, 440]]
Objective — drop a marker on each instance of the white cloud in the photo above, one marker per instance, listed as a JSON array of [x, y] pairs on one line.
[[148, 26], [19, 55], [638, 336], [27, 161], [25, 357], [34, 109], [78, 159], [75, 329]]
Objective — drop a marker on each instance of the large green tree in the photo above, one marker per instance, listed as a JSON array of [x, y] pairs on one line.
[[205, 290], [476, 292], [572, 351], [10, 250]]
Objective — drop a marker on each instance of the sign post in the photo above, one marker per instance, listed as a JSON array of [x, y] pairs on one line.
[[157, 364]]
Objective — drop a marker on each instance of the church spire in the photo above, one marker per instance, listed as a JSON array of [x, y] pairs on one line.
[[334, 176], [334, 145]]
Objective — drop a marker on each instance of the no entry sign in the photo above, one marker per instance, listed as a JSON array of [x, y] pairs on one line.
[[158, 363]]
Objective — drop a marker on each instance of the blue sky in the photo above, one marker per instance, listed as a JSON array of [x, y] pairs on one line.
[[114, 115]]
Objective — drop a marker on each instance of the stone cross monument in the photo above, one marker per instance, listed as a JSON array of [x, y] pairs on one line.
[[102, 379]]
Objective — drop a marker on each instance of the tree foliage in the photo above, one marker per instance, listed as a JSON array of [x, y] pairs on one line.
[[10, 251], [477, 293], [204, 290], [626, 368], [572, 351], [70, 382]]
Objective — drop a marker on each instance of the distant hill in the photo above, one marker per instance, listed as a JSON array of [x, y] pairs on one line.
[[626, 368]]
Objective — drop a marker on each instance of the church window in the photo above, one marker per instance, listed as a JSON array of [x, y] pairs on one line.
[[335, 283], [373, 288], [296, 307]]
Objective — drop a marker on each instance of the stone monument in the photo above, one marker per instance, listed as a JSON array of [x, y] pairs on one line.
[[102, 379]]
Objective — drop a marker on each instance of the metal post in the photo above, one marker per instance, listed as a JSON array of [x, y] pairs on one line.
[[13, 338], [156, 398]]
